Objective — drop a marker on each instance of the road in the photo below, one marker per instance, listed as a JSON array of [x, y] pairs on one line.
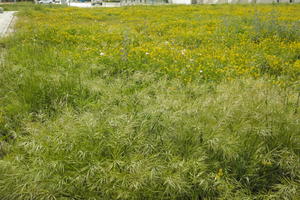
[[5, 21]]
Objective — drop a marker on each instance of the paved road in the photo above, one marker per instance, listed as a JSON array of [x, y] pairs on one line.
[[5, 21]]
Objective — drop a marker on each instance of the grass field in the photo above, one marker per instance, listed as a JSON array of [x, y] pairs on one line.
[[153, 102]]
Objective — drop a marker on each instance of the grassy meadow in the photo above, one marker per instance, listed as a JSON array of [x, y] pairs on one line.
[[151, 102]]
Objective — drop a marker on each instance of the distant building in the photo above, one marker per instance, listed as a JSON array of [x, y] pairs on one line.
[[188, 2], [231, 1]]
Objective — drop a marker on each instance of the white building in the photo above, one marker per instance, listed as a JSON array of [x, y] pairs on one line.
[[230, 1], [181, 1]]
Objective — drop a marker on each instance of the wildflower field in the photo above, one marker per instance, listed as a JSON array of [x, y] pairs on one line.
[[151, 102]]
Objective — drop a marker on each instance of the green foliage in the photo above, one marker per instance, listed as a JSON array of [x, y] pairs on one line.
[[94, 109], [166, 140]]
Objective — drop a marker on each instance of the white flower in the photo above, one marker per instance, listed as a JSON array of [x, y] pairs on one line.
[[147, 53], [201, 71], [102, 54]]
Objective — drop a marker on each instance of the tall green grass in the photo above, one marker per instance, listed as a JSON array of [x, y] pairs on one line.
[[165, 140], [104, 128]]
